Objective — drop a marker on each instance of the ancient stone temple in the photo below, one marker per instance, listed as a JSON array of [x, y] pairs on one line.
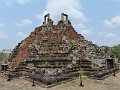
[[56, 52]]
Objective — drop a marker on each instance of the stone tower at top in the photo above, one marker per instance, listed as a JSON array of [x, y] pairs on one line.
[[49, 21]]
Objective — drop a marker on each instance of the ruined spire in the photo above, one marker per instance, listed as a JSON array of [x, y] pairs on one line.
[[64, 19], [47, 20]]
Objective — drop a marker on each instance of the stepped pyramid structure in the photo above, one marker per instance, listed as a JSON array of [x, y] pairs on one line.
[[56, 51]]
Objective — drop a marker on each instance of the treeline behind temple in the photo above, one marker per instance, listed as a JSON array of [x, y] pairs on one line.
[[113, 51]]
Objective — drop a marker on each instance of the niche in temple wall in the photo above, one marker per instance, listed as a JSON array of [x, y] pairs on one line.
[[64, 39]]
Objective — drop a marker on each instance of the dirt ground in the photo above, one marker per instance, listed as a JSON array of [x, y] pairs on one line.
[[110, 83]]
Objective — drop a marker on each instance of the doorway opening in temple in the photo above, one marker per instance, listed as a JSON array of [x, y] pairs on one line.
[[109, 63]]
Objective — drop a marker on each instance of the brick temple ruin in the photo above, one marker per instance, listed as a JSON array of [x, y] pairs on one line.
[[58, 52]]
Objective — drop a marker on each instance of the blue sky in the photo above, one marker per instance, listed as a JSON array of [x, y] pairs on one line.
[[97, 20]]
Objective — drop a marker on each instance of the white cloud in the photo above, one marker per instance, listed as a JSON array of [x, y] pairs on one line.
[[111, 36], [22, 1], [113, 41], [101, 33], [113, 23], [25, 22], [107, 38], [70, 7], [2, 36], [86, 32], [2, 25], [107, 35], [12, 2], [21, 34], [39, 16]]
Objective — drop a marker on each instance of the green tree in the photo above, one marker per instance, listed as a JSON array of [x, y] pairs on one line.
[[1, 57], [114, 51]]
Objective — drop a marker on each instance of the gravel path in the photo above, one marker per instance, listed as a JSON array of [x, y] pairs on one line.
[[110, 83]]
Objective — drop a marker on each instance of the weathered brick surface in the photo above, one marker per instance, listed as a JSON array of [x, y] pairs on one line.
[[56, 36]]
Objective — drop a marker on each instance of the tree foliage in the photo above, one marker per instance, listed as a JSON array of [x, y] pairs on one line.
[[1, 57], [114, 51]]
